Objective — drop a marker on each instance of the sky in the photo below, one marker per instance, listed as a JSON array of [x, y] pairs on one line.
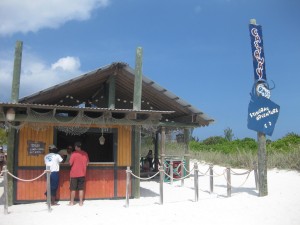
[[198, 49]]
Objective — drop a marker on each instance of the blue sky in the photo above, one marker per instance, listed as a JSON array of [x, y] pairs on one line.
[[198, 49]]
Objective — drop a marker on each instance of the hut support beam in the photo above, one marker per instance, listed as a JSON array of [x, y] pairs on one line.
[[11, 133], [186, 148], [137, 99]]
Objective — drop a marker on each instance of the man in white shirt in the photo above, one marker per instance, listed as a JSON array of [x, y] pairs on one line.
[[52, 160]]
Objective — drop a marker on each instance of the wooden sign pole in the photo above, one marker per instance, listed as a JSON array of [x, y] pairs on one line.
[[262, 157]]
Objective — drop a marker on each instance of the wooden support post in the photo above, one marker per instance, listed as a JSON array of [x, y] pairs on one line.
[[10, 163], [211, 178], [137, 129], [11, 132], [127, 185], [17, 72], [161, 185], [228, 182], [163, 147], [186, 148], [156, 154], [5, 189], [48, 188], [138, 80], [196, 182], [137, 156]]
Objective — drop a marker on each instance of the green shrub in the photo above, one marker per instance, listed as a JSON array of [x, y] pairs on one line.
[[283, 153], [214, 140]]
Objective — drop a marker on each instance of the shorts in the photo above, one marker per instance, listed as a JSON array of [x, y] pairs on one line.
[[77, 183]]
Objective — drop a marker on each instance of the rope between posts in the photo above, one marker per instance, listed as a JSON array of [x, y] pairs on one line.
[[186, 170], [203, 174], [241, 184], [235, 173], [182, 178], [30, 179], [218, 175], [143, 178]]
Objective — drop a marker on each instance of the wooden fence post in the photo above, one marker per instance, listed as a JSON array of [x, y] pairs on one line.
[[48, 188], [228, 182], [5, 189], [196, 184], [127, 185], [161, 185], [211, 178]]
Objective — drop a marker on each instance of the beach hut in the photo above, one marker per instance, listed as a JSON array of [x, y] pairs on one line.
[[98, 109]]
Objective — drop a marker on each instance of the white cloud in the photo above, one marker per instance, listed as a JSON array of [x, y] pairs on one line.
[[36, 75], [68, 63], [28, 15]]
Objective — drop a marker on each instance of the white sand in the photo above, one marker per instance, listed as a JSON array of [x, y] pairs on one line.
[[281, 206]]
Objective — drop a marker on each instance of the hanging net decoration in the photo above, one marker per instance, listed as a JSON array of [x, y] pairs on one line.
[[102, 139], [77, 122], [75, 127]]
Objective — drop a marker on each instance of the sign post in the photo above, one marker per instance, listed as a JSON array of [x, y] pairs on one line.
[[262, 112]]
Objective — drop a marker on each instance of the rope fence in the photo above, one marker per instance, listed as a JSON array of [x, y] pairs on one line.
[[5, 174], [167, 170]]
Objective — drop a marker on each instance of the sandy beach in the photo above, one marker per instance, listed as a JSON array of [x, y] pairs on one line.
[[280, 206]]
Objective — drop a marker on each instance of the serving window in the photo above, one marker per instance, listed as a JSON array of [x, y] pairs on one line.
[[90, 140]]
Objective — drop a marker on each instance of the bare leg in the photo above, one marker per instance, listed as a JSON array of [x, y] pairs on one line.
[[72, 198], [81, 192]]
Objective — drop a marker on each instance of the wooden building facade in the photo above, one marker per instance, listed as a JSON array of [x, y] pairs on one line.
[[99, 103]]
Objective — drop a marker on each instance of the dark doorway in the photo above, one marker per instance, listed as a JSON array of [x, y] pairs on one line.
[[90, 144]]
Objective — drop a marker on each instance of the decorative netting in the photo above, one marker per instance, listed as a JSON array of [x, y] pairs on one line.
[[78, 124]]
